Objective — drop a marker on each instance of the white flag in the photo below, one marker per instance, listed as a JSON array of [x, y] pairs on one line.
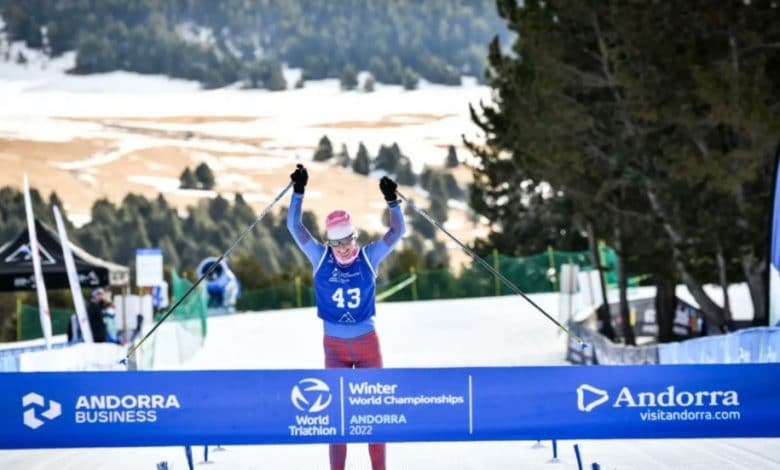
[[40, 287], [73, 279]]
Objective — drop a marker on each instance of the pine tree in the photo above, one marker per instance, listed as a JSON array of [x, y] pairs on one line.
[[369, 84], [168, 249], [242, 212], [438, 187], [453, 188], [342, 158], [218, 208], [419, 224], [404, 173], [276, 81], [187, 180], [452, 157], [349, 79], [409, 79], [379, 70], [438, 208], [324, 150], [362, 164], [388, 158], [204, 176]]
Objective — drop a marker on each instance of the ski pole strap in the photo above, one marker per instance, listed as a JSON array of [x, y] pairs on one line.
[[490, 268]]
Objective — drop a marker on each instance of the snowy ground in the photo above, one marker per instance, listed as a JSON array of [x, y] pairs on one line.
[[471, 332]]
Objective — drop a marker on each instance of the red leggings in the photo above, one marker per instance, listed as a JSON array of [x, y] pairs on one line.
[[359, 352]]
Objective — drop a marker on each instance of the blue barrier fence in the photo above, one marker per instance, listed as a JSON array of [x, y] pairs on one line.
[[754, 345], [48, 410], [9, 357], [749, 345]]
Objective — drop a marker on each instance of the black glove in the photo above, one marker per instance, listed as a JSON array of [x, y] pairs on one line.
[[388, 187], [299, 178]]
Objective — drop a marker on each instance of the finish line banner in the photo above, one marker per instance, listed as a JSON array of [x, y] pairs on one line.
[[119, 409]]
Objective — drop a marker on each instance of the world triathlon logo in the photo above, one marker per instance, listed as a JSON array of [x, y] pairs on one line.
[[311, 395], [589, 397], [31, 419]]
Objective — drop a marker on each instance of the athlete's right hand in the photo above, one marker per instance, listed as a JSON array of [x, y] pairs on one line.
[[299, 178]]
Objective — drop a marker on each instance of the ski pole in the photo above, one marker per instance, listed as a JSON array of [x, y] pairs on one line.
[[206, 274], [490, 268]]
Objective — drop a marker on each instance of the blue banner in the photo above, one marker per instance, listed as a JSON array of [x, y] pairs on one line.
[[773, 300], [43, 410]]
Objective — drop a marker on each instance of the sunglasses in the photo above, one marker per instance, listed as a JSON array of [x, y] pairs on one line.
[[342, 241]]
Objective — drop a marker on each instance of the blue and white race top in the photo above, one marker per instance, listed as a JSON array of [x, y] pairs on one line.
[[345, 294], [370, 257]]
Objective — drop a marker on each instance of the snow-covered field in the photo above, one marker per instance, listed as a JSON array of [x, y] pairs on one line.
[[465, 332], [107, 135], [422, 121]]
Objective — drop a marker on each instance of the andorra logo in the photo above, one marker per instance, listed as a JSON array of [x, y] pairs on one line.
[[31, 420], [311, 395], [589, 397]]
